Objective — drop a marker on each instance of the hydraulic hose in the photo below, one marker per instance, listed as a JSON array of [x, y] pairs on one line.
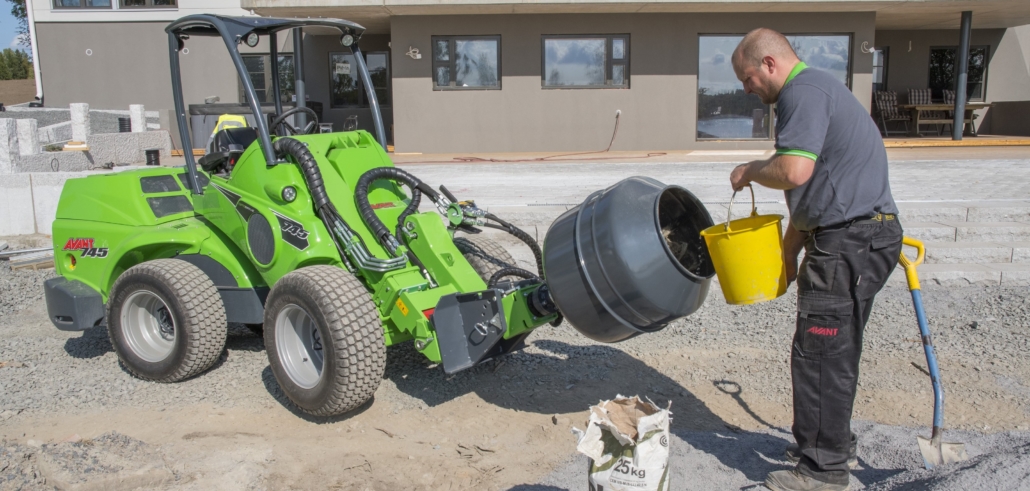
[[511, 271], [368, 215], [521, 235], [352, 249]]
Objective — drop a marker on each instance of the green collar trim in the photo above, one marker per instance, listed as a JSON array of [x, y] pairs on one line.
[[793, 73]]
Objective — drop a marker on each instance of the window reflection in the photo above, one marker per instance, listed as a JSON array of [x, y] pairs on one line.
[[346, 88], [724, 111], [942, 71], [475, 63], [829, 53], [574, 62]]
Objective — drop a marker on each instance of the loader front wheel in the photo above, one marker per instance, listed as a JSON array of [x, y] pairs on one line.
[[324, 340], [166, 320], [486, 256]]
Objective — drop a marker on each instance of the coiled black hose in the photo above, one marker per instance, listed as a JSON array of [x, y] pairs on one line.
[[368, 215], [512, 271], [521, 235]]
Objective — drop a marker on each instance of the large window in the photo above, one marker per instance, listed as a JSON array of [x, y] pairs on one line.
[[880, 57], [82, 4], [725, 112], [345, 87], [259, 69], [134, 4], [586, 61], [943, 69], [466, 62]]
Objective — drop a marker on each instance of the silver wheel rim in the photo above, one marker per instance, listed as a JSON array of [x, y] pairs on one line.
[[299, 346], [148, 326]]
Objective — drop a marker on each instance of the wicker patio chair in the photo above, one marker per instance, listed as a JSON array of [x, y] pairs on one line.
[[887, 109], [949, 98]]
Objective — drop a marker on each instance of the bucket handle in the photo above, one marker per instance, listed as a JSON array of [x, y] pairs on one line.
[[729, 214]]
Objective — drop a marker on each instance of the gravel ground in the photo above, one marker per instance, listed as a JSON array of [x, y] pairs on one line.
[[724, 369]]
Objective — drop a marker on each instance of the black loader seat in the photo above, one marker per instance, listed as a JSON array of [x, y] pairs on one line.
[[226, 147]]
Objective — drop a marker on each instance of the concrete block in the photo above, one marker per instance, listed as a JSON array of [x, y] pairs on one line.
[[16, 213], [1012, 213], [28, 138], [70, 161], [46, 192], [931, 212], [950, 275], [991, 231], [8, 145], [159, 139], [55, 133], [138, 118], [967, 252], [80, 121], [1020, 251], [1013, 274], [929, 231]]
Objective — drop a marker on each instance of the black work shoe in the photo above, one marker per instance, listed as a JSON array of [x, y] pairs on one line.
[[793, 480], [793, 454]]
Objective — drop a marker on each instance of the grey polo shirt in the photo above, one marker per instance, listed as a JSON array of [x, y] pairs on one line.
[[819, 118]]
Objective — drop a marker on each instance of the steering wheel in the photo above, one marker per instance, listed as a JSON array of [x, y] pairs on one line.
[[292, 130]]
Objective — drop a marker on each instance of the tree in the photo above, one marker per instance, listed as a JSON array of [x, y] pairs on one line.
[[18, 11], [14, 65]]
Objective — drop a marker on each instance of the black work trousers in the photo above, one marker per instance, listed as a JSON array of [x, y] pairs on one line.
[[843, 269]]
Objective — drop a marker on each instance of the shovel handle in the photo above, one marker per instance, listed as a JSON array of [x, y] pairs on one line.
[[910, 265], [729, 211]]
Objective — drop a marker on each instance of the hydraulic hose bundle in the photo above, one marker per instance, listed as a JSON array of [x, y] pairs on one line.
[[348, 242]]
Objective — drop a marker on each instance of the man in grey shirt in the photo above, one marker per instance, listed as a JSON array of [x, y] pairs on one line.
[[831, 164]]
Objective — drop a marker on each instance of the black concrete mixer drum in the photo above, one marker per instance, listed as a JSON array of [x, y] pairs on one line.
[[629, 259]]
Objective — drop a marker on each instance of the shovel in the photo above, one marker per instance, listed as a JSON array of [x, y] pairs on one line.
[[935, 452]]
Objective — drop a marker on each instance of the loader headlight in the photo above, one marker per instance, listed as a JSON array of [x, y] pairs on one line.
[[289, 194], [252, 39], [347, 40]]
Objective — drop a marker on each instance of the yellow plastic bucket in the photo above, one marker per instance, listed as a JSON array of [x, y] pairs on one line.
[[748, 256]]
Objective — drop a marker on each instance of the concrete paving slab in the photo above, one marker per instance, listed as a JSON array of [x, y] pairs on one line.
[[16, 213], [932, 212], [967, 252], [1020, 251], [952, 275], [929, 231], [990, 231], [999, 213], [1013, 274]]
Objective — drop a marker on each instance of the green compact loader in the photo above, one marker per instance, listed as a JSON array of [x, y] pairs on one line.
[[312, 240]]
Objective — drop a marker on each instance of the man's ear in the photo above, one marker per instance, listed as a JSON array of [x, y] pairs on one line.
[[769, 64]]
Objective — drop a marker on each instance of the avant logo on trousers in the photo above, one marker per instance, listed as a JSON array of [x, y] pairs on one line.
[[822, 331]]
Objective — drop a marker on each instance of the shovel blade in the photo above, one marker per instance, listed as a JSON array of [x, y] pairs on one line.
[[940, 453]]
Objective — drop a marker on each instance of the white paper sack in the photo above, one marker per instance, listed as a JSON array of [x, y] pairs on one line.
[[627, 441]]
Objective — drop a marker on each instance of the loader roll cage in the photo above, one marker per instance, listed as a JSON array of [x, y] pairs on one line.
[[237, 30]]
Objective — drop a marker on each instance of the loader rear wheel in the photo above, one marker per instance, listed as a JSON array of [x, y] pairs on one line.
[[166, 320], [486, 256], [324, 340]]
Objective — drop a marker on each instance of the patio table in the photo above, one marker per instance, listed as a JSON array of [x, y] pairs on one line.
[[914, 111]]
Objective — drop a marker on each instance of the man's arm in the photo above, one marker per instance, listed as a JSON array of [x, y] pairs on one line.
[[782, 171], [793, 242]]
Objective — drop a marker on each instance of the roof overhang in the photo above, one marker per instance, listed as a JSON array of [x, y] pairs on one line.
[[896, 14]]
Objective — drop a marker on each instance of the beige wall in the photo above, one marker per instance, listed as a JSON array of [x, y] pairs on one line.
[[129, 65], [658, 111]]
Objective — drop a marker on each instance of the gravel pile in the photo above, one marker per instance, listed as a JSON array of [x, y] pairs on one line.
[[20, 290], [888, 458]]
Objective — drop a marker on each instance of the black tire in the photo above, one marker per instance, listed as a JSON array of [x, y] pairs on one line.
[[486, 256], [339, 309], [183, 295]]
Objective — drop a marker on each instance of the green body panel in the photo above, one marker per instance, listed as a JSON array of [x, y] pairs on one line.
[[113, 211]]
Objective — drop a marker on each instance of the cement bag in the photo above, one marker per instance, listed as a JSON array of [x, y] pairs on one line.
[[627, 441]]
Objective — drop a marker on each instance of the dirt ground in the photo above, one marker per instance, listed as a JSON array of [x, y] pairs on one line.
[[17, 91]]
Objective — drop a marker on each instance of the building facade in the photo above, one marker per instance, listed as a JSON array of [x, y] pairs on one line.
[[516, 76]]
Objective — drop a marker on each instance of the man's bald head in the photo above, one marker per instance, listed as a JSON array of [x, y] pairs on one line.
[[762, 61], [760, 43]]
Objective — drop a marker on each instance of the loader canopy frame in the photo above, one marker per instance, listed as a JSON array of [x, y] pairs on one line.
[[233, 31]]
